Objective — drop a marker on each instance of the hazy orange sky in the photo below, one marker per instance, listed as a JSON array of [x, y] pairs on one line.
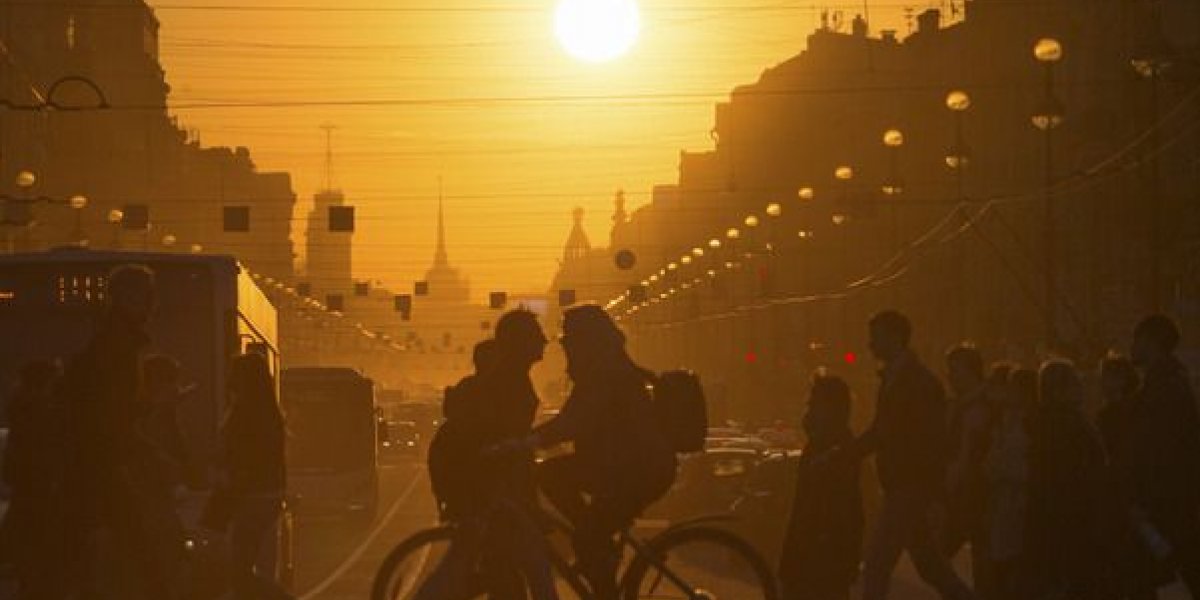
[[480, 93]]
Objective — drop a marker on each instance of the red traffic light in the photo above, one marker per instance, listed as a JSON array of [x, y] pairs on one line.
[[850, 358]]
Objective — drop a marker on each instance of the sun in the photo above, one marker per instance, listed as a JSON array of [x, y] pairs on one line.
[[597, 30]]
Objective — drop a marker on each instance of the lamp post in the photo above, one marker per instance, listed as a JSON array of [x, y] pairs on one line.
[[893, 140], [77, 203], [1151, 59], [115, 217], [1047, 117], [959, 155]]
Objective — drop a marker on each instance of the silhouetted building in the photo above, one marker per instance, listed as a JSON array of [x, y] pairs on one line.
[[133, 153]]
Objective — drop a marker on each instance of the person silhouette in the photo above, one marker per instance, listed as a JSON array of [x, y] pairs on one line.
[[252, 438], [1163, 470], [102, 387], [909, 440], [33, 457], [622, 462], [970, 422], [1065, 488], [823, 544], [494, 405]]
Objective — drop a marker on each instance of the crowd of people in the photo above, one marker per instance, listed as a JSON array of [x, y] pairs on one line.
[[96, 458], [1053, 502]]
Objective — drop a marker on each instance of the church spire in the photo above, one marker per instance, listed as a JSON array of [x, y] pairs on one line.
[[577, 242], [440, 259]]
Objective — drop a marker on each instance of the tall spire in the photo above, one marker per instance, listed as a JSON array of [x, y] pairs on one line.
[[439, 257]]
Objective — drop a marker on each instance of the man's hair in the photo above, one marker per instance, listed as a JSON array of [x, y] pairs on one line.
[[484, 355], [513, 322], [127, 278], [893, 323], [832, 395], [965, 356], [1161, 329]]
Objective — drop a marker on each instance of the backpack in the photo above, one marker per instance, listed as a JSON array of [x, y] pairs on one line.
[[681, 410], [453, 459]]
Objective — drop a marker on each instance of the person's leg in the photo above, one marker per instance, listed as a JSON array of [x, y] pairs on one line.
[[883, 551], [931, 564], [253, 522], [1181, 527], [558, 479]]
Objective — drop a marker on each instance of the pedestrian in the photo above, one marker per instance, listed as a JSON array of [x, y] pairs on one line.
[[33, 456], [909, 440], [102, 387], [495, 404], [252, 441], [1136, 573], [1163, 470], [823, 544], [1007, 467], [969, 425], [1066, 475], [622, 460]]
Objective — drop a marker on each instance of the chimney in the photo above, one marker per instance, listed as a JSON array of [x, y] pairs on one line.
[[858, 27], [929, 21]]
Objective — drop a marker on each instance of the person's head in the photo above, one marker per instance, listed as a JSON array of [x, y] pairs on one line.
[[1059, 385], [828, 412], [519, 337], [890, 332], [484, 355], [1154, 337], [160, 374], [251, 386], [590, 337], [964, 368], [130, 293], [1118, 377]]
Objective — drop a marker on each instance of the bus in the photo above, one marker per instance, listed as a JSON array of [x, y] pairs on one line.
[[209, 310], [332, 442]]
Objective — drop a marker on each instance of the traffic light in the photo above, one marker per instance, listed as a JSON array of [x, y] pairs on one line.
[[497, 300], [362, 288], [637, 294], [341, 219], [566, 297], [136, 216], [335, 302], [236, 219], [421, 288]]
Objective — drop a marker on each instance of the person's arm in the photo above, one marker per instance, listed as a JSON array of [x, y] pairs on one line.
[[565, 425]]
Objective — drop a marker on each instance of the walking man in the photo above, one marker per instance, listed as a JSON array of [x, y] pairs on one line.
[[908, 438]]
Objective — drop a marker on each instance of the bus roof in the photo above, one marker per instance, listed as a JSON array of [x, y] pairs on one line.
[[79, 255], [322, 372]]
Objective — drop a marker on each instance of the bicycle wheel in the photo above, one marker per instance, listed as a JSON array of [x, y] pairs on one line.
[[699, 563], [410, 565]]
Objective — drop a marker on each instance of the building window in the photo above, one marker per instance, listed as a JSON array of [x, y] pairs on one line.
[[70, 32]]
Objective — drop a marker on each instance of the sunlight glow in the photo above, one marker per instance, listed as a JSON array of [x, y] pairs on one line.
[[597, 30]]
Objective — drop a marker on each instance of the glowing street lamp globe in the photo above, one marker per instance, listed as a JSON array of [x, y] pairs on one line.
[[78, 202]]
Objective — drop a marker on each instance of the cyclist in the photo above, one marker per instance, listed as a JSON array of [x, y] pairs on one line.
[[621, 462], [496, 404]]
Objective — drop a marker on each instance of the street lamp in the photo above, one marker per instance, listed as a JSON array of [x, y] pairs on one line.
[[959, 155], [115, 216], [77, 203], [1152, 58], [805, 193], [169, 240], [751, 221], [1047, 116], [197, 248], [714, 243], [25, 180], [893, 139], [774, 209], [732, 233], [698, 251]]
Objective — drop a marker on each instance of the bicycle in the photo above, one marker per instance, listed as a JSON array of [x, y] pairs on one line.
[[691, 560]]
